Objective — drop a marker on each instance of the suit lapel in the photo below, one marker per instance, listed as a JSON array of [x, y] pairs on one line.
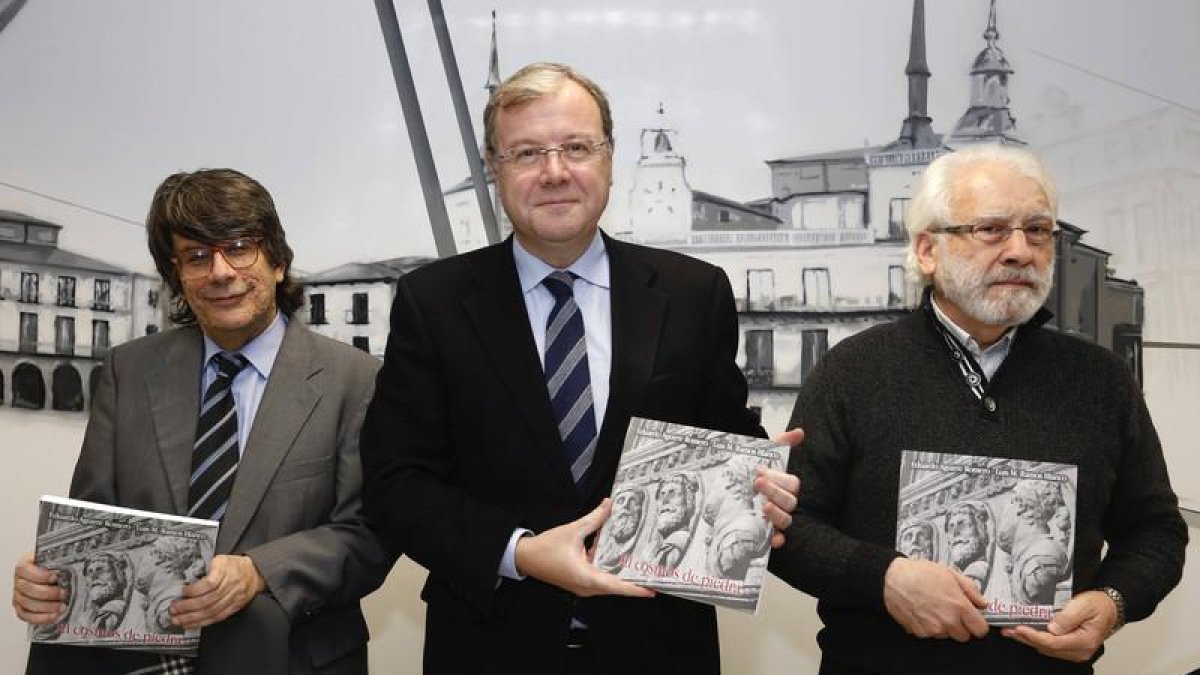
[[497, 313], [638, 311], [173, 390], [286, 404]]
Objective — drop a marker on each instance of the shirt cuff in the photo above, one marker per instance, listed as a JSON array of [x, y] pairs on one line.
[[508, 563]]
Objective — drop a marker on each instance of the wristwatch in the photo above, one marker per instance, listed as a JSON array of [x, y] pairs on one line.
[[1119, 601]]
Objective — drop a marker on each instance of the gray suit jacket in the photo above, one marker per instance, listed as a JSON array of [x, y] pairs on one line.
[[295, 505]]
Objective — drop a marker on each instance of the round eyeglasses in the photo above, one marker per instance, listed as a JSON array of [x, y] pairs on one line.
[[195, 263]]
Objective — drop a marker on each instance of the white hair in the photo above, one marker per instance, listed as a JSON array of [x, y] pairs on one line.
[[930, 204]]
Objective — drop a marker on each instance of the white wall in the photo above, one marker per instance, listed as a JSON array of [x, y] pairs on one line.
[[783, 634]]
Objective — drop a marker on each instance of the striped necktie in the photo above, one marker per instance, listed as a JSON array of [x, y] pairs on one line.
[[567, 377], [215, 453]]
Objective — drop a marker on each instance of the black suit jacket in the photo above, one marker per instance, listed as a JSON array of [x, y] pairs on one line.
[[460, 447]]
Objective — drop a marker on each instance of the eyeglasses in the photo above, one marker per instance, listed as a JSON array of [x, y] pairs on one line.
[[571, 152], [1038, 232], [239, 254]]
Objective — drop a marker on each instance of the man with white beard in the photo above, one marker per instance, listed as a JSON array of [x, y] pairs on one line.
[[972, 371]]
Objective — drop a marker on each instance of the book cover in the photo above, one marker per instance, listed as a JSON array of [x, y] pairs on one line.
[[122, 568], [686, 520], [1007, 524]]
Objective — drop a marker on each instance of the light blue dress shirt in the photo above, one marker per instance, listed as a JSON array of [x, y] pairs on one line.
[[593, 296], [988, 359], [249, 384]]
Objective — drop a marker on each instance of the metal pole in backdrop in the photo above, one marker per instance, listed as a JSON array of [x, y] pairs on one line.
[[443, 240], [454, 80]]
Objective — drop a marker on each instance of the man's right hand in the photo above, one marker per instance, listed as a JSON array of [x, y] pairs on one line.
[[558, 557], [932, 600], [36, 597]]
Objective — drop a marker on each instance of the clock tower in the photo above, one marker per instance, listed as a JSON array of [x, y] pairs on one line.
[[660, 203]]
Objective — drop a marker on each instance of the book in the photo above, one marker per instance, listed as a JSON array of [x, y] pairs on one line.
[[686, 519], [1006, 524], [122, 568]]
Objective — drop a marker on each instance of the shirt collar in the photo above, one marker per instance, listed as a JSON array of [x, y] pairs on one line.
[[964, 338], [259, 351], [592, 266]]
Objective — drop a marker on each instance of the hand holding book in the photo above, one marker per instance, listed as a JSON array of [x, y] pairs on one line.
[[231, 583], [558, 557], [933, 601], [1075, 632], [695, 511], [37, 597]]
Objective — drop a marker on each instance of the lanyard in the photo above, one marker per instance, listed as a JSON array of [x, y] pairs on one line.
[[971, 372]]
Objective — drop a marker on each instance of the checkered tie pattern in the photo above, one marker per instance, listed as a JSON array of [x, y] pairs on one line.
[[162, 665], [567, 377], [171, 665], [215, 453]]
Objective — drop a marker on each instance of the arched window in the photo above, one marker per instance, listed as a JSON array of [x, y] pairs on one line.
[[29, 389], [67, 388]]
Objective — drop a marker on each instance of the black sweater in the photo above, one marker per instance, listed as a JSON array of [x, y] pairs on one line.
[[894, 387]]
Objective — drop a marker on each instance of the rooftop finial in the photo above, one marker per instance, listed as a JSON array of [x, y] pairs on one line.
[[991, 34], [493, 80]]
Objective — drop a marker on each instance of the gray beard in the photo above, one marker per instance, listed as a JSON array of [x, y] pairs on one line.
[[102, 594], [671, 523], [969, 288], [624, 529]]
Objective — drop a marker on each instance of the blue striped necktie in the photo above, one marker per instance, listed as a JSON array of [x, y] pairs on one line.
[[567, 377], [215, 452]]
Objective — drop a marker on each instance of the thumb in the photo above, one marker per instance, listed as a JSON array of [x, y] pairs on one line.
[[1067, 620], [970, 590], [594, 520], [791, 437]]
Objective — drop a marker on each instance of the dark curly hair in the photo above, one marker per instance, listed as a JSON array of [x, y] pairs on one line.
[[210, 206]]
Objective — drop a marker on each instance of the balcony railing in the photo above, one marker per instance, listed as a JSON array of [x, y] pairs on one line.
[[763, 376], [782, 238]]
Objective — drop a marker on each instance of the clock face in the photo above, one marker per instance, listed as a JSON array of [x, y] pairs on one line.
[[659, 201], [658, 194]]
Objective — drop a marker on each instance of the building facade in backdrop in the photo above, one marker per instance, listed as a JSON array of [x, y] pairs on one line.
[[351, 303], [60, 313], [823, 255]]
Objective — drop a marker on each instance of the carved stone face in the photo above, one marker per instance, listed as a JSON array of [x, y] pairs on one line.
[[916, 541], [627, 513], [104, 581], [968, 536], [676, 504]]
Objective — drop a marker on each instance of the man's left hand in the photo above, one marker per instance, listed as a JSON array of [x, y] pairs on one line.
[[780, 488], [1076, 632], [231, 584]]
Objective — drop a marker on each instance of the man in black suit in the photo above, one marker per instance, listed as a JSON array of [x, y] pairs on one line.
[[474, 464]]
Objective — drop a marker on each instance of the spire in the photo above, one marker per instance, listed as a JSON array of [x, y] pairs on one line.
[[493, 80], [988, 119], [990, 33], [662, 142], [916, 44], [917, 130]]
